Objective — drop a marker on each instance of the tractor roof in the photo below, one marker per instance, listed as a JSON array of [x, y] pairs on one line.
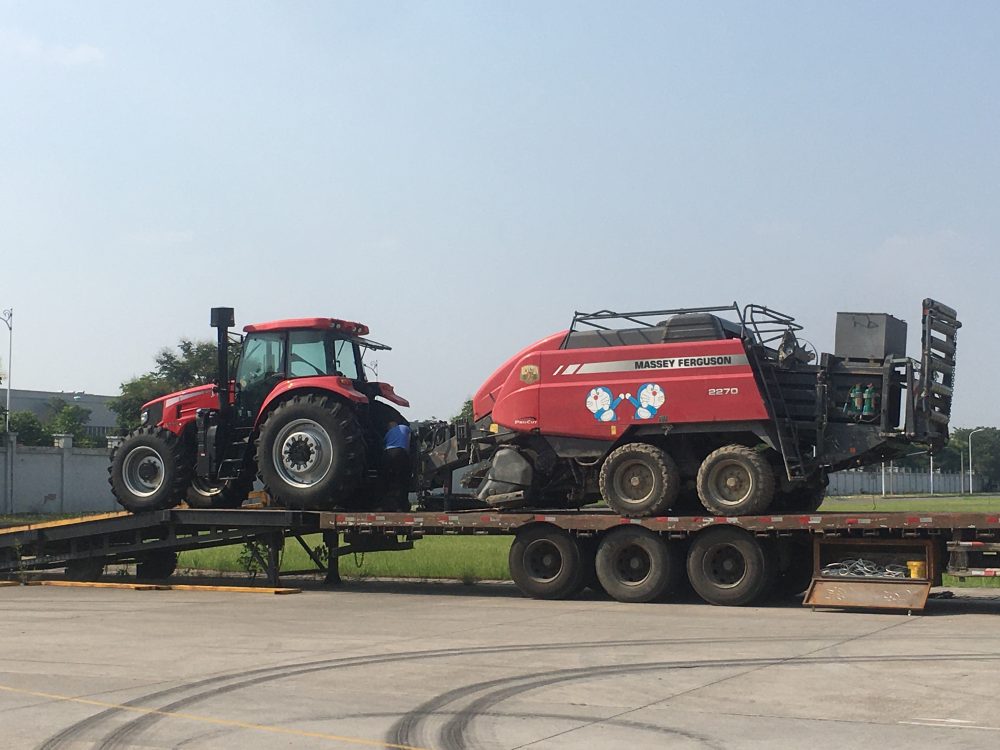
[[349, 327]]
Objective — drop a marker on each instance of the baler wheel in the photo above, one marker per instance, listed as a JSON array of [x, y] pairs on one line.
[[735, 481], [730, 567], [638, 479], [310, 453], [546, 562], [148, 470], [636, 565]]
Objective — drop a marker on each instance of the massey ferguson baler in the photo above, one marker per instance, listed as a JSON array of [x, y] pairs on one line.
[[655, 411]]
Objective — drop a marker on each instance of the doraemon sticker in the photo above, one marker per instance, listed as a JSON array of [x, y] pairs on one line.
[[601, 403], [650, 399]]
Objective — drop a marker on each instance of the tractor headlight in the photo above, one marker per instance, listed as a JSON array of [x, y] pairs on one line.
[[144, 417]]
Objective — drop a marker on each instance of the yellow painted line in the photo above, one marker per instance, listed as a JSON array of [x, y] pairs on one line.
[[99, 585], [63, 522], [212, 720], [4, 584], [234, 589]]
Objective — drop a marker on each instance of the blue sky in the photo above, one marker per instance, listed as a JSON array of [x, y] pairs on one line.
[[463, 176]]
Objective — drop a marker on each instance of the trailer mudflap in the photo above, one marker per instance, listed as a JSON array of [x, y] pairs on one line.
[[868, 593]]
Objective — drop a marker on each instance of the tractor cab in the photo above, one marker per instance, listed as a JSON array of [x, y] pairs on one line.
[[299, 348]]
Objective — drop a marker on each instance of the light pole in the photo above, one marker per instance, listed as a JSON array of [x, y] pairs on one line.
[[978, 429], [8, 318]]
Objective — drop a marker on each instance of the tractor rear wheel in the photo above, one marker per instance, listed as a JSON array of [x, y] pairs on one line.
[[638, 479], [310, 453], [148, 470], [636, 565], [735, 481]]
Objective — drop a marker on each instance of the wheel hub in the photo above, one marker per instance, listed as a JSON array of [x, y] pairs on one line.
[[732, 483], [300, 452], [635, 481], [142, 471]]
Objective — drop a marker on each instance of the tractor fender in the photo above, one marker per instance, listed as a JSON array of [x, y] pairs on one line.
[[337, 385], [387, 392]]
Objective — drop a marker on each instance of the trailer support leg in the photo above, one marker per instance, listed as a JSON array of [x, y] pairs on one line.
[[332, 540], [275, 542]]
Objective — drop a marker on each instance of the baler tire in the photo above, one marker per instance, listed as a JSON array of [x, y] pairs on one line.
[[149, 470], [805, 499], [735, 481], [727, 566], [156, 566], [546, 562], [636, 565], [325, 426], [645, 470]]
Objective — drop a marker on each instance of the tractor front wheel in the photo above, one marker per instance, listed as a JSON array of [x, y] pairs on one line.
[[310, 453], [148, 471]]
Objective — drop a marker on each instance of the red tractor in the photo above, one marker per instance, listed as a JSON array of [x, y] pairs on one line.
[[720, 407], [299, 414]]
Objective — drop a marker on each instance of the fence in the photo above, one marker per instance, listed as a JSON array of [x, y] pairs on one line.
[[901, 483], [61, 479]]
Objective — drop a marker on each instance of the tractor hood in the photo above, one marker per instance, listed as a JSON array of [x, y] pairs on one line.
[[486, 396]]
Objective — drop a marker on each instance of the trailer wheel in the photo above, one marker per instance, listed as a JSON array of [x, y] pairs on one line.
[[156, 566], [636, 565], [638, 479], [728, 566], [309, 453], [148, 470], [87, 569], [735, 481], [203, 493], [546, 562]]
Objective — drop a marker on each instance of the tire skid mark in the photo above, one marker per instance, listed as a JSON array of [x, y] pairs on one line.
[[410, 728], [69, 735]]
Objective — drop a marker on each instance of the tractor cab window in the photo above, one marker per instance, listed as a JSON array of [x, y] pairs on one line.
[[263, 357], [312, 353], [345, 359]]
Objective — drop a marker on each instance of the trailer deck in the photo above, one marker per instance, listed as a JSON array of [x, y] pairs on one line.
[[88, 543]]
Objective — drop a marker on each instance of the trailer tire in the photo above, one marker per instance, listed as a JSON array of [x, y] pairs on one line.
[[639, 479], [156, 566], [148, 470], [636, 565], [728, 566], [310, 453], [546, 562], [86, 569], [735, 481]]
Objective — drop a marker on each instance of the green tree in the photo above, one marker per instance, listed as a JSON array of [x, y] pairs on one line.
[[29, 429], [465, 415], [63, 418], [193, 363], [985, 453]]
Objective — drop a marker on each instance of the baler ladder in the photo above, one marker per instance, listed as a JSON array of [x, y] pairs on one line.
[[784, 425]]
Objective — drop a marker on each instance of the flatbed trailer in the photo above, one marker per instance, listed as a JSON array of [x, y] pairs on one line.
[[557, 554]]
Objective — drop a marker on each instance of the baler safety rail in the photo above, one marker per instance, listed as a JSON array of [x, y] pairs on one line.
[[939, 335], [757, 322]]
